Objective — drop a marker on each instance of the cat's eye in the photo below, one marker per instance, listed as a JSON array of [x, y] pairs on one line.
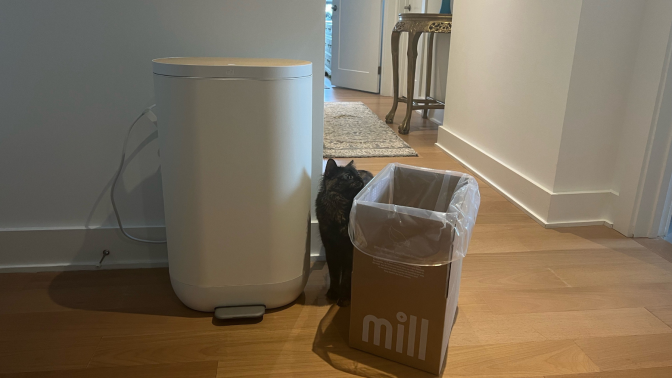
[[347, 177]]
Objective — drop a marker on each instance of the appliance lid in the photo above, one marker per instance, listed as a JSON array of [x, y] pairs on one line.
[[247, 68]]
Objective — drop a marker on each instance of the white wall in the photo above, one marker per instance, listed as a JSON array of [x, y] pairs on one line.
[[75, 73], [554, 102], [494, 81], [440, 65], [642, 122], [439, 74], [608, 35]]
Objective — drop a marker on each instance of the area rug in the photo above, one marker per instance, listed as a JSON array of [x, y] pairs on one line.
[[351, 129]]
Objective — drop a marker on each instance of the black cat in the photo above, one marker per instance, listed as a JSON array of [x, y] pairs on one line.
[[339, 187]]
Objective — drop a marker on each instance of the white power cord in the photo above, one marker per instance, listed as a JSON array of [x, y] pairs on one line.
[[148, 112]]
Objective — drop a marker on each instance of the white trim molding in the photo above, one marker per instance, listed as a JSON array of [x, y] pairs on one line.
[[61, 249], [548, 208]]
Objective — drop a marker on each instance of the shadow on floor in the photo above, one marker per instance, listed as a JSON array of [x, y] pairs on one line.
[[661, 247], [638, 248], [134, 291], [331, 344]]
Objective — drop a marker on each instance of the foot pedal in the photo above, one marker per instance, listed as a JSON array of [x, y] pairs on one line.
[[239, 312]]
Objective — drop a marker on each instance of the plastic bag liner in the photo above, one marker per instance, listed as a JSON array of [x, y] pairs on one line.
[[415, 215]]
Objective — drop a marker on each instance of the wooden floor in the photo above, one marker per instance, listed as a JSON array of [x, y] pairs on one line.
[[573, 302]]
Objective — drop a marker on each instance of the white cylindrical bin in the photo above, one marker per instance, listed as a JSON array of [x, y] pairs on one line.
[[235, 138]]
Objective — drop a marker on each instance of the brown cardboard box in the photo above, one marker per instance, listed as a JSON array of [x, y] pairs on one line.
[[411, 228], [403, 312]]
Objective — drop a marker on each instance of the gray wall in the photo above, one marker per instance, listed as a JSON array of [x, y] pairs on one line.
[[75, 73]]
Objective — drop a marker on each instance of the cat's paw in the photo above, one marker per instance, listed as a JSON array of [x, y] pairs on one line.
[[343, 302], [332, 293]]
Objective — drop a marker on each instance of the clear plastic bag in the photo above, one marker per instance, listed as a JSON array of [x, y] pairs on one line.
[[413, 215]]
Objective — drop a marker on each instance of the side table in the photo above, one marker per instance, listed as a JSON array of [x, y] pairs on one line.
[[415, 24]]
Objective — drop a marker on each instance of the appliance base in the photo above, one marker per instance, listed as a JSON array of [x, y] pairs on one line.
[[207, 299], [239, 312]]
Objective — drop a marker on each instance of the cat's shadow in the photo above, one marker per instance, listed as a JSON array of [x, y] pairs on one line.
[[331, 344]]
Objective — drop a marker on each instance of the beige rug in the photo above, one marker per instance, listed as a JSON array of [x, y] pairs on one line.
[[351, 129]]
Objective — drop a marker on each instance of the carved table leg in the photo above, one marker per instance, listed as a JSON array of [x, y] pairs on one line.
[[412, 56], [428, 78], [389, 118]]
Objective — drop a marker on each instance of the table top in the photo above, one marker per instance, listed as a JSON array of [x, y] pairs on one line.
[[425, 17]]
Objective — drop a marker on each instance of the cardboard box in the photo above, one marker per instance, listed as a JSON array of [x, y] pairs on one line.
[[411, 228], [403, 312]]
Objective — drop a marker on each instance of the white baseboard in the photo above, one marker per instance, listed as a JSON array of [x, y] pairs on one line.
[[548, 208], [38, 250], [35, 250], [71, 267]]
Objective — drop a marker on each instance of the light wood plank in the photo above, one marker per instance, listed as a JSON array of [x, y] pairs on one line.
[[613, 274], [529, 237], [91, 290], [98, 323], [107, 298], [207, 369], [519, 219], [663, 313], [13, 281], [509, 277], [490, 194], [596, 323], [521, 360], [46, 353], [475, 325], [660, 247], [169, 317], [629, 352], [479, 327], [659, 372], [98, 278], [571, 298], [499, 207], [562, 258], [234, 346]]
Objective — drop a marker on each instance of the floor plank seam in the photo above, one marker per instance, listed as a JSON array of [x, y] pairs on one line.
[[599, 369], [95, 352], [560, 278], [658, 317]]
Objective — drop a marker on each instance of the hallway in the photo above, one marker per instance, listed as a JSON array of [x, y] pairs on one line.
[[534, 302]]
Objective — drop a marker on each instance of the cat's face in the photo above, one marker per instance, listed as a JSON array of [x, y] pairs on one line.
[[344, 180]]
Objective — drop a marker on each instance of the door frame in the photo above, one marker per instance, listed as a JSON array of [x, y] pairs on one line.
[[381, 43]]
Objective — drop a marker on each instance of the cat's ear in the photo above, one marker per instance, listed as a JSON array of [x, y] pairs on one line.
[[329, 169], [351, 163]]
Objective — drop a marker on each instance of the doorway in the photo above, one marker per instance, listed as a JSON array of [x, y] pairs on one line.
[[353, 40]]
